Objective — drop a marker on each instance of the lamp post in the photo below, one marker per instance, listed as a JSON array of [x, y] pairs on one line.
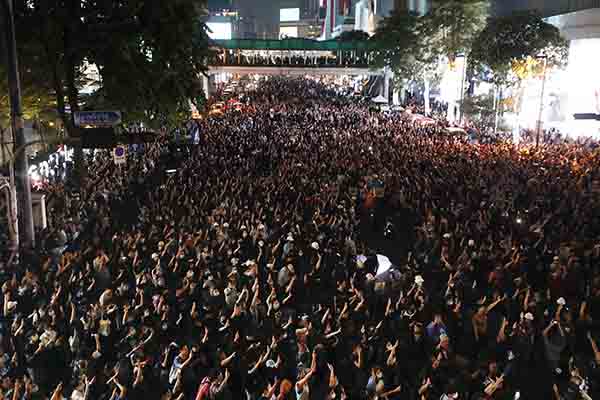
[[463, 77], [23, 188], [539, 121]]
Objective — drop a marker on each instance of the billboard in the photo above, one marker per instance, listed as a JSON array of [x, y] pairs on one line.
[[219, 30], [289, 14]]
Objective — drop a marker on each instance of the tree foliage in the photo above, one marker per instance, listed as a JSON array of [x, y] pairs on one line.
[[36, 98], [505, 48], [415, 45], [353, 36], [167, 51], [36, 94], [149, 53], [451, 26], [399, 44]]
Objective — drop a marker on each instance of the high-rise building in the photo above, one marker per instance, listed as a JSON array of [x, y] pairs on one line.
[[257, 18], [337, 16], [418, 6], [369, 13], [310, 9], [221, 19]]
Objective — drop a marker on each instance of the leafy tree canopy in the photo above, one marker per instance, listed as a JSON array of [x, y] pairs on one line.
[[399, 43], [149, 54], [508, 46], [415, 45], [353, 36], [36, 94], [451, 26]]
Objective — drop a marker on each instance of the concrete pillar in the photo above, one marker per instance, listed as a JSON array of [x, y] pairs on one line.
[[396, 94], [452, 110], [387, 76], [206, 85], [40, 220], [426, 96], [395, 97]]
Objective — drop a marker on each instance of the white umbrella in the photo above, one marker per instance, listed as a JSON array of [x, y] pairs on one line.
[[383, 263]]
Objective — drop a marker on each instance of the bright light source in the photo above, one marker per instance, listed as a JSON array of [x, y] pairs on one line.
[[171, 171], [288, 31], [452, 86], [219, 30], [573, 91], [289, 14], [583, 85]]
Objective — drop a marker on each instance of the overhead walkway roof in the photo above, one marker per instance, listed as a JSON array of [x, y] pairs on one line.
[[296, 44]]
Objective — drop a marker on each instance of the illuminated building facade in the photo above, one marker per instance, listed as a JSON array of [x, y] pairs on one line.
[[576, 90]]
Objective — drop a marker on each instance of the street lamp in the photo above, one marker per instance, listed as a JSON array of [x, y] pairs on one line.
[[539, 121], [26, 231]]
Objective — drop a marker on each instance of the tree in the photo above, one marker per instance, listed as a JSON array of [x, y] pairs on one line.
[[149, 54], [451, 26], [38, 102], [404, 39], [159, 65], [514, 48], [448, 30], [353, 36], [398, 44], [416, 46], [503, 51]]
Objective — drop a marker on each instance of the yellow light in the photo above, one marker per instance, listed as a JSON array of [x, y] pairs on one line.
[[51, 123]]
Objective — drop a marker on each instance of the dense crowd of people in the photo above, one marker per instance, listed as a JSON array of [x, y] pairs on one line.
[[246, 267]]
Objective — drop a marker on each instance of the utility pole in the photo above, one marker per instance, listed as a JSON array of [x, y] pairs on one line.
[[21, 172]]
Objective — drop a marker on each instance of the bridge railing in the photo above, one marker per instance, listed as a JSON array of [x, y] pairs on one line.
[[292, 59]]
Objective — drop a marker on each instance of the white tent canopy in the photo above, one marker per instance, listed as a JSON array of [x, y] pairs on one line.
[[379, 100]]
